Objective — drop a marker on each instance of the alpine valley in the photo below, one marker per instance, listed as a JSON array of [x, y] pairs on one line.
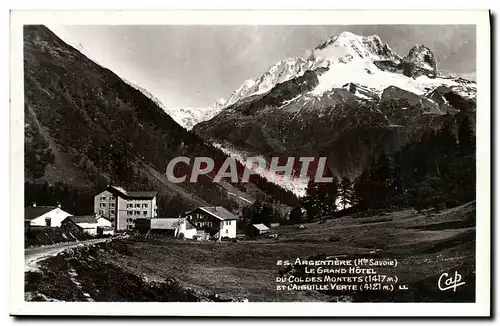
[[397, 202], [86, 128], [350, 100]]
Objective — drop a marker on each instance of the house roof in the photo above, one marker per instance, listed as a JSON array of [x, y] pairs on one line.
[[142, 194], [83, 219], [102, 217], [189, 226], [260, 227], [30, 213], [165, 223], [120, 191], [219, 212]]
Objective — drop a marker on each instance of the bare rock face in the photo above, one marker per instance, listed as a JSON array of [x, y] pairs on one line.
[[420, 61]]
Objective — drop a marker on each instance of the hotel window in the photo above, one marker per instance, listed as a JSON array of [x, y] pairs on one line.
[[137, 205], [112, 204], [145, 205], [101, 211], [112, 211], [145, 213], [130, 227], [111, 198], [227, 231], [137, 213], [103, 204], [103, 198], [130, 205], [129, 212]]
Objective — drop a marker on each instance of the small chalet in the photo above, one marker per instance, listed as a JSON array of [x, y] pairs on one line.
[[47, 216], [173, 227], [89, 224], [254, 230], [104, 226], [216, 221], [86, 223]]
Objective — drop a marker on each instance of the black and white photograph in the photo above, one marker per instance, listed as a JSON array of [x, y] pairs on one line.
[[250, 162]]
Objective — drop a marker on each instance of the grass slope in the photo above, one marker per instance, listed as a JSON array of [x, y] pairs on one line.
[[424, 245]]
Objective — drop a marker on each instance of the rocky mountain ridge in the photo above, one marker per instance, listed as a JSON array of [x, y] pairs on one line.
[[343, 59]]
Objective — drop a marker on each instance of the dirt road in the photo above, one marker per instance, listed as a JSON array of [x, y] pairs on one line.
[[33, 255]]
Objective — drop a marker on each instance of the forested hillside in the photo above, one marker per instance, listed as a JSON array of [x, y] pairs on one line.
[[86, 128]]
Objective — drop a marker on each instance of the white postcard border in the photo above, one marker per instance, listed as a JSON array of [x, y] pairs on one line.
[[252, 17]]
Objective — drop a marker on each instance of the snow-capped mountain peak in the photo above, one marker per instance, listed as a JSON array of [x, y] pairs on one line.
[[189, 117], [368, 62], [363, 64], [348, 46], [281, 71], [219, 104], [344, 48], [422, 57]]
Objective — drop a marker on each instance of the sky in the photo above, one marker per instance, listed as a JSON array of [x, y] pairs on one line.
[[194, 66]]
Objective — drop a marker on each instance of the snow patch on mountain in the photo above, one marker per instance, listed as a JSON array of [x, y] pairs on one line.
[[340, 74], [296, 185], [278, 73], [189, 117]]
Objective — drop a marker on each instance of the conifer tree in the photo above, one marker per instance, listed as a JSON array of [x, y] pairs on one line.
[[466, 138], [362, 190], [467, 153], [296, 215], [311, 201], [346, 192], [327, 196]]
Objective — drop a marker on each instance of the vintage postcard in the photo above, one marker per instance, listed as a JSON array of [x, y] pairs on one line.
[[210, 163]]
